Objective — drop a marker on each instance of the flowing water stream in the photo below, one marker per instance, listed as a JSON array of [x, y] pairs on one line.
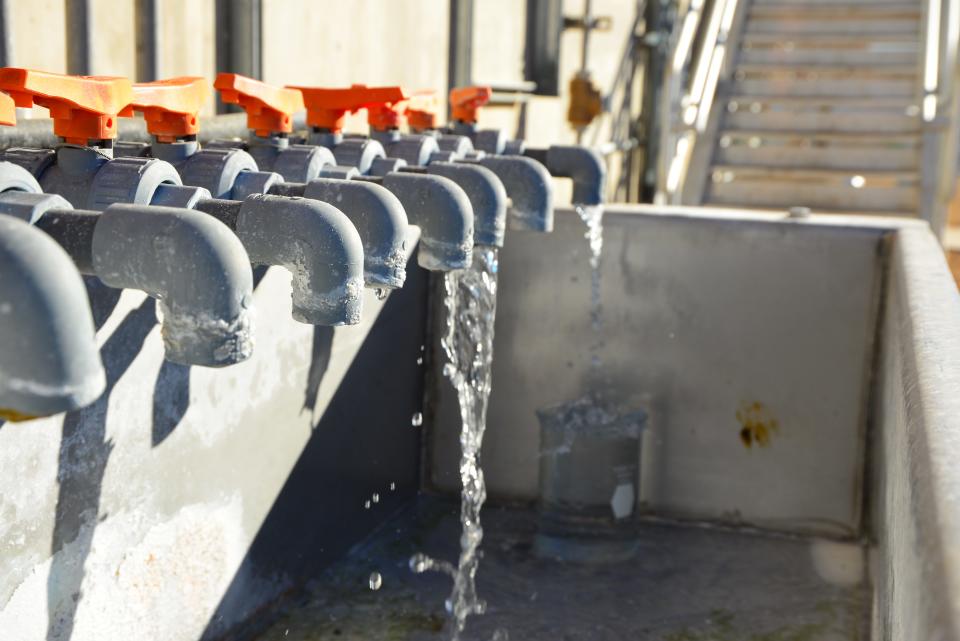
[[592, 217], [471, 303]]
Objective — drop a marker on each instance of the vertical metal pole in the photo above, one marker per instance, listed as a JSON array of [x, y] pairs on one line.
[[460, 57], [541, 56], [6, 35], [239, 40], [147, 18], [587, 28], [78, 37], [652, 117]]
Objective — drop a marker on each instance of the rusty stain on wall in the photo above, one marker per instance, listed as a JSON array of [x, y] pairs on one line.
[[757, 424]]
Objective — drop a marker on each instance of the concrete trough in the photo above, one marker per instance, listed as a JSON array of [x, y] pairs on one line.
[[838, 335], [189, 503]]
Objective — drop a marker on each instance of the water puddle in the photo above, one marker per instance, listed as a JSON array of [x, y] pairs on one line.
[[471, 303], [687, 583]]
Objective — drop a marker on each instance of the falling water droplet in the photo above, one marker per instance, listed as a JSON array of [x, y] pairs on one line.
[[393, 487], [420, 360], [376, 498], [366, 505], [419, 563], [375, 580], [417, 419]]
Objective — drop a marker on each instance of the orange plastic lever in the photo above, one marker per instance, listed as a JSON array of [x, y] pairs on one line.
[[8, 111], [170, 106], [464, 102], [83, 108], [269, 108], [423, 111], [328, 108]]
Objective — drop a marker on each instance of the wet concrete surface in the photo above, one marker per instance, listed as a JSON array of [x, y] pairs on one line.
[[687, 583]]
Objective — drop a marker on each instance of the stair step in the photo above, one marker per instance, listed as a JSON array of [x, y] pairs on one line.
[[842, 18], [844, 151], [808, 49], [896, 115], [815, 188], [825, 80]]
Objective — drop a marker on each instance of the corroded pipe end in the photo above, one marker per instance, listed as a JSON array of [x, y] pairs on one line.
[[342, 305], [191, 338]]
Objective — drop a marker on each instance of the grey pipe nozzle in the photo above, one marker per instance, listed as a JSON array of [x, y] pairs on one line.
[[488, 198], [378, 216], [13, 177], [317, 243], [49, 362], [194, 266], [581, 164], [443, 212], [529, 187]]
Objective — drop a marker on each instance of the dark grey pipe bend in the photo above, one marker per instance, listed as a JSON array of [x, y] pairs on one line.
[[443, 212], [487, 197], [584, 166], [13, 177], [49, 361], [194, 266], [318, 244], [381, 221], [296, 163], [530, 189]]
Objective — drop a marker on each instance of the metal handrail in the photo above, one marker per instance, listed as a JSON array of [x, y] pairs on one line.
[[939, 109], [698, 51]]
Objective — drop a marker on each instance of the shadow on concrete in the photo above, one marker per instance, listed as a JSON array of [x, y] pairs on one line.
[[171, 398], [320, 351], [171, 390], [84, 452], [363, 444]]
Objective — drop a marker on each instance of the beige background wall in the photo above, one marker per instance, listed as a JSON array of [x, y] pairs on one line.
[[336, 42]]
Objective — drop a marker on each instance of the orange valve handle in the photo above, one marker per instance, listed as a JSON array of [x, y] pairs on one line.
[[83, 108], [269, 108], [170, 106], [423, 111], [464, 102], [327, 108], [8, 111]]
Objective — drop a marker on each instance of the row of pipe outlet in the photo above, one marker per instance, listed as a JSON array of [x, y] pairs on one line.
[[184, 224]]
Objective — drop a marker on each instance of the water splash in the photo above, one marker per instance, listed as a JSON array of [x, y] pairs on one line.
[[375, 581], [592, 217], [471, 302]]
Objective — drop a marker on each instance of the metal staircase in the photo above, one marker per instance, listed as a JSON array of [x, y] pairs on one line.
[[834, 105]]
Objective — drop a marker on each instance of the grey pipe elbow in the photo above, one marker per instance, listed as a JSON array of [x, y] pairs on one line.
[[381, 221], [530, 189], [194, 266], [443, 212], [487, 197], [318, 244], [13, 177], [49, 362], [584, 166]]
